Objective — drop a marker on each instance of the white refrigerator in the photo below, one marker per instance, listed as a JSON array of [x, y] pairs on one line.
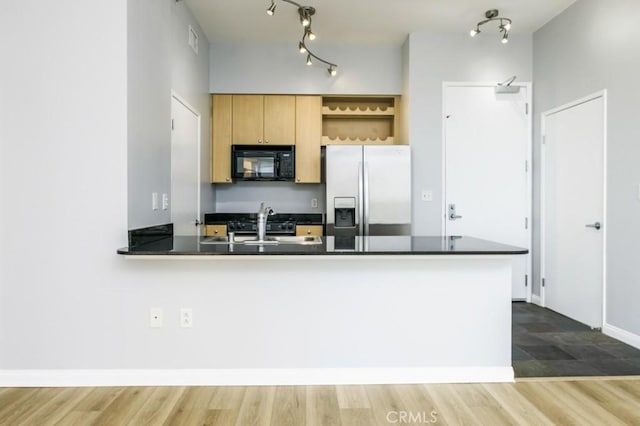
[[368, 190]]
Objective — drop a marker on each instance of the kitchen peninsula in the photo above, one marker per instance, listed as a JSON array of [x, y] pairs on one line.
[[363, 310]]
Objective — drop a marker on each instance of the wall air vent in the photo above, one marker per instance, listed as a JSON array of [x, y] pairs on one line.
[[193, 39]]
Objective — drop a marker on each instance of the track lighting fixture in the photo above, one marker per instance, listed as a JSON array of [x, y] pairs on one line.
[[305, 13], [492, 15]]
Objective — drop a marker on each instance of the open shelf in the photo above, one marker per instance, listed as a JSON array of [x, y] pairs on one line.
[[326, 140], [351, 111], [360, 120]]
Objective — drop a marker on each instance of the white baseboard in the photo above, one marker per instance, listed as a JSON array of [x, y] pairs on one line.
[[253, 377], [536, 300], [622, 335]]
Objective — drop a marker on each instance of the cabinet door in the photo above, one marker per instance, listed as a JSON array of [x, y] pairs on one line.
[[248, 119], [215, 230], [280, 120], [308, 138], [221, 138], [309, 230]]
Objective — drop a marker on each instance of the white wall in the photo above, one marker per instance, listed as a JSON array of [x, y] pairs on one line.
[[432, 59], [269, 68], [592, 46], [159, 61]]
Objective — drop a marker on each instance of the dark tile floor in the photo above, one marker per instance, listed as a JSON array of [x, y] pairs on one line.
[[547, 344]]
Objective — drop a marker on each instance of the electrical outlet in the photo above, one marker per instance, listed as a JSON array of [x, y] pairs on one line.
[[186, 318], [165, 201], [314, 203], [154, 201], [155, 317], [427, 195]]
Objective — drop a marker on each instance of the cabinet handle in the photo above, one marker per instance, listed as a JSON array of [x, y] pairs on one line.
[[298, 180], [259, 140], [308, 231], [266, 141], [227, 179], [215, 232]]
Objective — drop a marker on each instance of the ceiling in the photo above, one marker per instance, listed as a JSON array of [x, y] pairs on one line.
[[363, 21]]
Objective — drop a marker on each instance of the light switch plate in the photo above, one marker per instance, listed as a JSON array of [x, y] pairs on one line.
[[154, 201], [165, 201], [155, 317], [427, 195], [186, 318], [314, 203]]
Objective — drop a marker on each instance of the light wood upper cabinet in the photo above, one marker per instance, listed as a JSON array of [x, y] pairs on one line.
[[308, 137], [280, 120], [221, 138], [248, 119], [268, 119]]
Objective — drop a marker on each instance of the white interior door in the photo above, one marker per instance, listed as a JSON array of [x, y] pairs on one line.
[[573, 210], [185, 169], [487, 149]]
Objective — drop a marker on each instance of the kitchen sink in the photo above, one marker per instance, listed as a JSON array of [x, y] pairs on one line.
[[270, 240]]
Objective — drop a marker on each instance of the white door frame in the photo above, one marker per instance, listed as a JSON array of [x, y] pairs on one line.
[[195, 112], [529, 156], [601, 94]]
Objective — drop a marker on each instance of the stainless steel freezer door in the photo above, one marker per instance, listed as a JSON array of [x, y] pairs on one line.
[[343, 180], [387, 190]]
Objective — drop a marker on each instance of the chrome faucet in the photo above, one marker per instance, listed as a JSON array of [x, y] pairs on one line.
[[263, 214]]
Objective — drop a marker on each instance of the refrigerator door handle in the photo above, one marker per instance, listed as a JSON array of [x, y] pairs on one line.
[[365, 193], [360, 214]]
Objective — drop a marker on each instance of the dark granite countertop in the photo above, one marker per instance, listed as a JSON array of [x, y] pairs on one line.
[[299, 218], [342, 246]]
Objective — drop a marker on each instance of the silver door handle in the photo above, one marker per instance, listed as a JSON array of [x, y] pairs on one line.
[[452, 212], [594, 225]]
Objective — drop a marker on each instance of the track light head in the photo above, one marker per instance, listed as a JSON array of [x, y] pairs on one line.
[[302, 47], [306, 12], [332, 71], [272, 9], [475, 32], [310, 34], [505, 37], [309, 60]]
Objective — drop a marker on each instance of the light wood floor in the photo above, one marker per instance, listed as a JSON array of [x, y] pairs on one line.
[[529, 402]]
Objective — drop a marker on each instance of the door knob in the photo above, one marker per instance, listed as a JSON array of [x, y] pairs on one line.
[[594, 225]]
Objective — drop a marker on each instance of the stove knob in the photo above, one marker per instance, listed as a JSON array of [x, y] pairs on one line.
[[232, 226]]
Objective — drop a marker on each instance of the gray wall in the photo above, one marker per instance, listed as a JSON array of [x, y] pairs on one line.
[[159, 61], [592, 46], [63, 171], [269, 68], [433, 59], [284, 197]]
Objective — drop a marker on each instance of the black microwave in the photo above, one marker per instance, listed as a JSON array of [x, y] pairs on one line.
[[251, 162]]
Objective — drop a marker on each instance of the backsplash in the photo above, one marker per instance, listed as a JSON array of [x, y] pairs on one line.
[[284, 197]]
